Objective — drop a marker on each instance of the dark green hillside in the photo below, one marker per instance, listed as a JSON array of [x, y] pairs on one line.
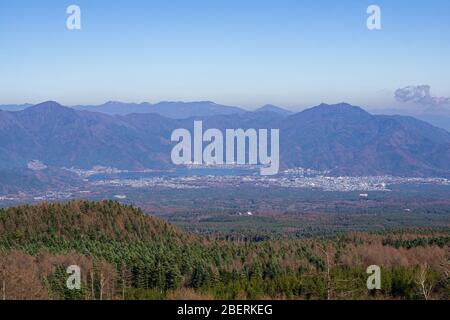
[[77, 220], [124, 254]]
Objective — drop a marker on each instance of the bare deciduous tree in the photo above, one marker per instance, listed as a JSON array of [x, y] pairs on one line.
[[325, 251], [424, 281], [92, 284]]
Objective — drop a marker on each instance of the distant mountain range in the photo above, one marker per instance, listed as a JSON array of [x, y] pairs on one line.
[[341, 138], [168, 109], [15, 107], [183, 110], [439, 117], [275, 109], [173, 110]]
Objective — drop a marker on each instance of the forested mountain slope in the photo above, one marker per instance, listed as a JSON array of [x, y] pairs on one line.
[[124, 254]]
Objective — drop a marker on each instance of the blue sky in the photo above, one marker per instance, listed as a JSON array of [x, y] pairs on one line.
[[248, 53]]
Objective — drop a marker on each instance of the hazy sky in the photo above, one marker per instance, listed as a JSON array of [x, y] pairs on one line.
[[239, 52]]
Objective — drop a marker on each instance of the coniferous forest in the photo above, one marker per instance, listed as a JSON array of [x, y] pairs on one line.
[[124, 254]]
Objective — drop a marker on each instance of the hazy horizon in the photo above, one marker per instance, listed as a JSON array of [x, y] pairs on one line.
[[287, 53], [406, 109]]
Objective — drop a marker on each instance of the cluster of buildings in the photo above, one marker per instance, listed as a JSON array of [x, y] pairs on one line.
[[86, 173], [156, 182], [292, 178], [320, 182]]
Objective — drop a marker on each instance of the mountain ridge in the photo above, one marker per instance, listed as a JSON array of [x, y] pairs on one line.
[[185, 110], [341, 138], [275, 109]]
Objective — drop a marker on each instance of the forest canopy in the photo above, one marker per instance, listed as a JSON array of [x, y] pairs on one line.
[[126, 254]]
